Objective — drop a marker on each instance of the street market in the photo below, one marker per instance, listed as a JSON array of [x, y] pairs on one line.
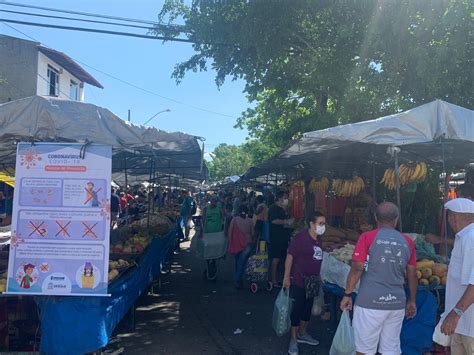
[[329, 211]]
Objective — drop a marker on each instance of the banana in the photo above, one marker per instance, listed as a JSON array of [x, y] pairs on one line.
[[418, 172]]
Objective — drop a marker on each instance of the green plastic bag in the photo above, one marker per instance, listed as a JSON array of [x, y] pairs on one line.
[[344, 341], [281, 313]]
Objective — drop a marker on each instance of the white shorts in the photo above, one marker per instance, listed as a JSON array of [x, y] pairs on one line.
[[373, 327]]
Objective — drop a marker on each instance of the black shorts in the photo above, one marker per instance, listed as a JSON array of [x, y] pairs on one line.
[[278, 248], [302, 306]]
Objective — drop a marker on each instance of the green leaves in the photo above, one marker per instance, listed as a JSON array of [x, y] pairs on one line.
[[313, 64], [230, 160]]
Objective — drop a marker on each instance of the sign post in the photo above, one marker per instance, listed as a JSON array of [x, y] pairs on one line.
[[61, 220]]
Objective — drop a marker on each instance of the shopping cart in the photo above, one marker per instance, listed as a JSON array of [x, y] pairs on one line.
[[210, 247], [257, 268]]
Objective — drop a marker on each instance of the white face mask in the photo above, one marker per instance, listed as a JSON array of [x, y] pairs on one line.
[[285, 202], [320, 229]]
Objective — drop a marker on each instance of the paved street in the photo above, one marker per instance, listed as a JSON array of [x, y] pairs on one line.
[[192, 316]]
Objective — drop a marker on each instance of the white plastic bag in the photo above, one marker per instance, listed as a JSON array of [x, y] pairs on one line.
[[318, 303], [281, 313], [439, 337], [344, 341]]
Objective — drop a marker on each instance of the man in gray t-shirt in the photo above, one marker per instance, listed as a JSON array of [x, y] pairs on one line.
[[380, 260]]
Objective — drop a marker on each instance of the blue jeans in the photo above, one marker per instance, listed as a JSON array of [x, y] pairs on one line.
[[241, 261]]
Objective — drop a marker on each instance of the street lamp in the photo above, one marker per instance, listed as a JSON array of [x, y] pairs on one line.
[[156, 114]]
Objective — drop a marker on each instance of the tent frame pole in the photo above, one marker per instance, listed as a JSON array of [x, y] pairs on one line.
[[396, 150], [126, 174], [445, 197]]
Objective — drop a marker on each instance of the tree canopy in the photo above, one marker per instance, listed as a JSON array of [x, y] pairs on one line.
[[313, 64]]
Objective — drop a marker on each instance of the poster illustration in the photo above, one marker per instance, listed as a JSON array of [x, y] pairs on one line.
[[61, 220]]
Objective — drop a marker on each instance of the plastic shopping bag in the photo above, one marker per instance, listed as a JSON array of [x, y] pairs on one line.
[[318, 303], [343, 342], [439, 337], [281, 313]]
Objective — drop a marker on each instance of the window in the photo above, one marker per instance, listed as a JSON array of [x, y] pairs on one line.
[[53, 77], [74, 91]]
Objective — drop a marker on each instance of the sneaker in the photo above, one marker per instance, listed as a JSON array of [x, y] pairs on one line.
[[307, 339], [293, 348]]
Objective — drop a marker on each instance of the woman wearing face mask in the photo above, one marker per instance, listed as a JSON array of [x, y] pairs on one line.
[[280, 233], [302, 269]]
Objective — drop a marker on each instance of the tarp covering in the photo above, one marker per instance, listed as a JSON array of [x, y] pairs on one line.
[[423, 133], [40, 118]]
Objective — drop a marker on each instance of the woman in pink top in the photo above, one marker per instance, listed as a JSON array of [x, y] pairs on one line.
[[245, 225]]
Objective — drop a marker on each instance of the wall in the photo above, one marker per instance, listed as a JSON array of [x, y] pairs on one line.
[[64, 79], [18, 68]]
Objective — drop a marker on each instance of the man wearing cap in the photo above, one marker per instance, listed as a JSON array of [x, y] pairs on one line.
[[459, 315]]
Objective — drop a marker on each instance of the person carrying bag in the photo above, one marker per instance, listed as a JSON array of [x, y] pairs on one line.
[[302, 278], [241, 243]]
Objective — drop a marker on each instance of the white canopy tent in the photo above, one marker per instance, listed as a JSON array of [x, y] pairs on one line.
[[40, 118], [437, 132]]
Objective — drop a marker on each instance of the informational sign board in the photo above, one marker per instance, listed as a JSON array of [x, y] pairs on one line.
[[61, 220]]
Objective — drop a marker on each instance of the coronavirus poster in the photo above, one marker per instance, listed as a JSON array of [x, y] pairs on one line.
[[61, 220]]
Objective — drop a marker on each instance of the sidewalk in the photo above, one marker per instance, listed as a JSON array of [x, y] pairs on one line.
[[194, 316]]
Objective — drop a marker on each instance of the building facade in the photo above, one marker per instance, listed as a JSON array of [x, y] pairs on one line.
[[28, 68]]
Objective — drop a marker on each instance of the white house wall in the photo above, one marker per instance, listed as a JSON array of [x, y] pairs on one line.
[[64, 79]]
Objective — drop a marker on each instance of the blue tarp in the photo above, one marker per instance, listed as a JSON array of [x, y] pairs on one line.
[[417, 333], [76, 325]]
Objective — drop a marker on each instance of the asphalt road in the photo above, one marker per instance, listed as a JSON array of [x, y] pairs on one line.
[[189, 315]]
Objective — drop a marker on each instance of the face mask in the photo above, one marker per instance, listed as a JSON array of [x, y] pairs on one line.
[[320, 229], [285, 202]]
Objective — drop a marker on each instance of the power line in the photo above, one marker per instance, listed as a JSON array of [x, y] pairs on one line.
[[131, 84], [62, 92], [125, 19], [84, 29], [76, 19]]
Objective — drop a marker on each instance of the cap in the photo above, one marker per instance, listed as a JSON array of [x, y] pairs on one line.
[[460, 205]]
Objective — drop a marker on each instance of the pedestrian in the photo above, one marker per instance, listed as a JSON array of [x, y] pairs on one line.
[[186, 213], [213, 216], [280, 233], [302, 277], [260, 219], [459, 314], [380, 260], [242, 224], [115, 208]]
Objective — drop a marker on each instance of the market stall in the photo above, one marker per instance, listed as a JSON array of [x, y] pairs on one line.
[[85, 324], [138, 252], [344, 165]]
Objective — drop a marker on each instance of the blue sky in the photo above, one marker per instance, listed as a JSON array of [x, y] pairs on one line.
[[145, 63]]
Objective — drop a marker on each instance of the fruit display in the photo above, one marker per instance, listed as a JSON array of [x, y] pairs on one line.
[[118, 267], [344, 254], [335, 238], [430, 273], [156, 225], [409, 173], [348, 188], [134, 245], [316, 185]]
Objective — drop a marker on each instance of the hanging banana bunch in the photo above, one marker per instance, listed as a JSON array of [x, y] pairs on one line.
[[348, 188], [316, 186], [409, 173]]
